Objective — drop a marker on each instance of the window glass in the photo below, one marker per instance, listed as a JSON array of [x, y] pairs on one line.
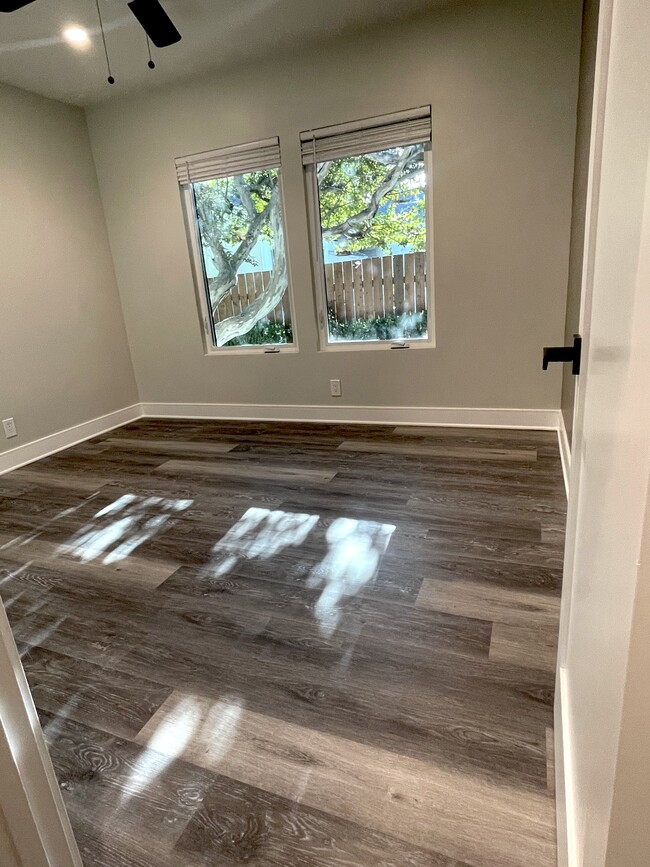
[[373, 228], [241, 238]]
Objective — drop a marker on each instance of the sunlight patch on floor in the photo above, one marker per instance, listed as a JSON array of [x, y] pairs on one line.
[[355, 549], [118, 529]]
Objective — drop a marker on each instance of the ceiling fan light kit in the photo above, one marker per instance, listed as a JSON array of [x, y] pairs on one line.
[[153, 19]]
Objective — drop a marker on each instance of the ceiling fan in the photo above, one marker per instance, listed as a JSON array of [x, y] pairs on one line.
[[152, 17]]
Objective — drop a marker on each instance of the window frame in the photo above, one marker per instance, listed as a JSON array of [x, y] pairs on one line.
[[318, 269], [200, 279]]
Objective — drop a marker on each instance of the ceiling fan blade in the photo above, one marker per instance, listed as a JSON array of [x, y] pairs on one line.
[[156, 22], [12, 5]]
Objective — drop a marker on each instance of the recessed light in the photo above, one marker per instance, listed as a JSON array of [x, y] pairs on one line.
[[76, 36]]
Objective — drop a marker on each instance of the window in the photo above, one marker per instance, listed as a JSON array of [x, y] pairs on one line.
[[234, 209], [371, 229]]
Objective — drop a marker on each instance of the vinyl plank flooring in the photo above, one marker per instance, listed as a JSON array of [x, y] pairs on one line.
[[304, 644], [503, 741], [126, 805], [40, 553], [98, 641], [170, 446], [238, 824], [241, 470], [427, 450], [106, 700], [516, 607], [38, 480], [379, 790], [394, 624], [526, 645]]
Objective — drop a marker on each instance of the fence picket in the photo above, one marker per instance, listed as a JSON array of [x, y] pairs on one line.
[[366, 272], [420, 283], [339, 290], [389, 296], [409, 283], [359, 290], [350, 313], [398, 283]]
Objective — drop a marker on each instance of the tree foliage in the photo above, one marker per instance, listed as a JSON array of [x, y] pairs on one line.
[[374, 200]]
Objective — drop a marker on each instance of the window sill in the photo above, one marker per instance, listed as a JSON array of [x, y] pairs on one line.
[[374, 345], [249, 350]]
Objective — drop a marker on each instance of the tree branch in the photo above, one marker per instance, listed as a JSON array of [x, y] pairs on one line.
[[252, 233], [389, 183], [236, 326], [245, 196]]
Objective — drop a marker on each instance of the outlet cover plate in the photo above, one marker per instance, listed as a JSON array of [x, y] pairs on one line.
[[10, 427], [335, 387]]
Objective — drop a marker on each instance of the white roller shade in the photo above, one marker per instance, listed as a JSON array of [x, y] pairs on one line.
[[373, 134], [223, 163]]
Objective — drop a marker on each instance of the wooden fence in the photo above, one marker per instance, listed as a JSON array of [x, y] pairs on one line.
[[249, 287], [380, 286], [362, 289]]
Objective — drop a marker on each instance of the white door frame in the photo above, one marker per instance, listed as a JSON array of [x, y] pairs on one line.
[[621, 70], [32, 812]]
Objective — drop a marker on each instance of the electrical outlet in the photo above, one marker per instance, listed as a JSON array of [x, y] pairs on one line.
[[335, 387], [10, 427]]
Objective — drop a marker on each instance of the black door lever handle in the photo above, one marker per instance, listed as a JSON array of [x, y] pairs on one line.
[[564, 353]]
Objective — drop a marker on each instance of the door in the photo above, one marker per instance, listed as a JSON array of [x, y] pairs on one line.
[[34, 826], [611, 445]]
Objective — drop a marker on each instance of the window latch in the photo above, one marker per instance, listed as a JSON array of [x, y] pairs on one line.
[[399, 344], [271, 350]]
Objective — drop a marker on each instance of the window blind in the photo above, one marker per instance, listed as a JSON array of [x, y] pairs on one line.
[[373, 134], [225, 162]]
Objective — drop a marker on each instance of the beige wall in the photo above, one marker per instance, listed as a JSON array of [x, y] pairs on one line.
[[63, 352], [501, 76]]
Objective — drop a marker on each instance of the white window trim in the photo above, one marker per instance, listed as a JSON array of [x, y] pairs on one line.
[[318, 271], [200, 288]]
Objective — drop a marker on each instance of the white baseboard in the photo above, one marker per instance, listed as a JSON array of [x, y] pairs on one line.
[[565, 451], [537, 419], [567, 840], [521, 419], [63, 439]]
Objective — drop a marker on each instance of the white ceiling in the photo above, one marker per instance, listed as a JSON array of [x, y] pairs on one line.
[[216, 33]]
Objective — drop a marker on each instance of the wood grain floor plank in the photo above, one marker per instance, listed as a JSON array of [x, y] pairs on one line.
[[40, 553], [241, 470], [240, 824], [38, 480], [525, 644], [516, 607], [125, 804], [104, 699], [379, 790], [477, 435], [428, 450], [171, 446]]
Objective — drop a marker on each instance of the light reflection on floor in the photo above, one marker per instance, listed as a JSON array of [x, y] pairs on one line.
[[188, 721], [353, 551], [118, 529]]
